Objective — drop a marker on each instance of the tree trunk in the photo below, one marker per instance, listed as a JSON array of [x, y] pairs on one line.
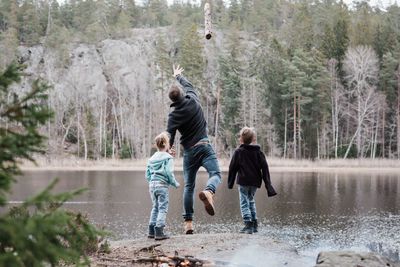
[[84, 141], [376, 135], [121, 119], [351, 142], [117, 125], [359, 132], [398, 112], [383, 132], [65, 135], [294, 128], [253, 106], [113, 142], [390, 144], [347, 122], [337, 139], [105, 128], [49, 131], [150, 127], [144, 139], [318, 156], [78, 129], [217, 119], [285, 136], [333, 106], [100, 144], [335, 115], [299, 128]]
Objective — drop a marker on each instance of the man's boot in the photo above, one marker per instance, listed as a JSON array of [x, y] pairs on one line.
[[159, 233], [208, 199], [248, 228], [188, 227], [151, 231], [255, 226]]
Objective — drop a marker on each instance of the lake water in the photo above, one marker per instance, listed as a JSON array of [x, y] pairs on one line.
[[313, 211]]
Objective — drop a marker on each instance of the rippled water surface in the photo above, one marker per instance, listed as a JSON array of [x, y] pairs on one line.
[[313, 211]]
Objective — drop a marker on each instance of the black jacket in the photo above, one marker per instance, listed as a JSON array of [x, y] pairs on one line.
[[250, 166], [187, 117]]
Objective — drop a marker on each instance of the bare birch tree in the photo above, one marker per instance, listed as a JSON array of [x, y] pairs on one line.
[[361, 67]]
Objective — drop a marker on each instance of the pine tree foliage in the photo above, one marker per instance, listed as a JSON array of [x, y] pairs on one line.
[[231, 83], [39, 232], [26, 113], [191, 54]]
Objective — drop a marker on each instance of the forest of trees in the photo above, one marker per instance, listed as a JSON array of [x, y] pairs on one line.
[[317, 79]]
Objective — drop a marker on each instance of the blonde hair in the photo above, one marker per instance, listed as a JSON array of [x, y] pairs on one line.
[[162, 140], [247, 135]]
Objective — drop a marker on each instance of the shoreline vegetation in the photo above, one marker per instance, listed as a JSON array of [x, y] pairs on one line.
[[275, 165]]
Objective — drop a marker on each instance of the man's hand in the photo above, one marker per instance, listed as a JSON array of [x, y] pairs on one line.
[[172, 151], [177, 70]]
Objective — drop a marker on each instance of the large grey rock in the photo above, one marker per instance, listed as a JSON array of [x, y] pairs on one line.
[[352, 259]]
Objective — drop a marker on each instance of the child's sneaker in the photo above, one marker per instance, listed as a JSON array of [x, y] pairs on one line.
[[151, 231], [248, 228], [255, 226], [159, 233]]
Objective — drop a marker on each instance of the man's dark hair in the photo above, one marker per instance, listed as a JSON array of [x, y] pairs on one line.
[[175, 93]]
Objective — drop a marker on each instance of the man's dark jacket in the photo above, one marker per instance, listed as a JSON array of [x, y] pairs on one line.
[[250, 166], [187, 117]]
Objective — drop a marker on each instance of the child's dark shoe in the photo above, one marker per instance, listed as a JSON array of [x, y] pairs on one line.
[[151, 231], [248, 228], [159, 233], [255, 226]]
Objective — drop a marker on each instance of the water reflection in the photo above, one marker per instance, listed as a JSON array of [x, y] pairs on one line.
[[313, 211]]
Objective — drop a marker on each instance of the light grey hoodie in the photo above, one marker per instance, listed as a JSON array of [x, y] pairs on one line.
[[160, 167]]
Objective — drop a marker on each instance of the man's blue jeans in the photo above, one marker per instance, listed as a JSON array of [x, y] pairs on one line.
[[247, 203], [202, 155], [159, 197]]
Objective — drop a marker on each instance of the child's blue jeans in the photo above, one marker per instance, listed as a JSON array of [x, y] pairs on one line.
[[159, 197], [248, 203]]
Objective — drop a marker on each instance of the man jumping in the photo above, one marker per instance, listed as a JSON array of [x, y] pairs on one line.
[[188, 118]]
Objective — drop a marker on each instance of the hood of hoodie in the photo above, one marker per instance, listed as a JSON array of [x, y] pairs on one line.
[[158, 159], [250, 147]]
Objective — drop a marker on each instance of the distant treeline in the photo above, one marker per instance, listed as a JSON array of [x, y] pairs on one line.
[[317, 79]]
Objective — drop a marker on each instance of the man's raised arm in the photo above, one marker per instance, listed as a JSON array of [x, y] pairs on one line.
[[187, 86]]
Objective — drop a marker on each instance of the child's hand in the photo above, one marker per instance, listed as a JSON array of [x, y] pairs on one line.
[[172, 151]]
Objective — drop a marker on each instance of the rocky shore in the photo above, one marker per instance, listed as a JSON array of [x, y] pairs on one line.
[[226, 250]]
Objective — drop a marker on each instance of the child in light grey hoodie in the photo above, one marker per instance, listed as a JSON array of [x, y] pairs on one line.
[[160, 175]]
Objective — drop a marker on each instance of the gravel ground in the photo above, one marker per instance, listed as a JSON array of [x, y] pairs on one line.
[[213, 249]]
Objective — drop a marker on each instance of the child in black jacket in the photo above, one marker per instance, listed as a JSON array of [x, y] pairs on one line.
[[249, 167]]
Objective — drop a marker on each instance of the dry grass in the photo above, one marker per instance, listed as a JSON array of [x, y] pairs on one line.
[[72, 163], [334, 163]]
